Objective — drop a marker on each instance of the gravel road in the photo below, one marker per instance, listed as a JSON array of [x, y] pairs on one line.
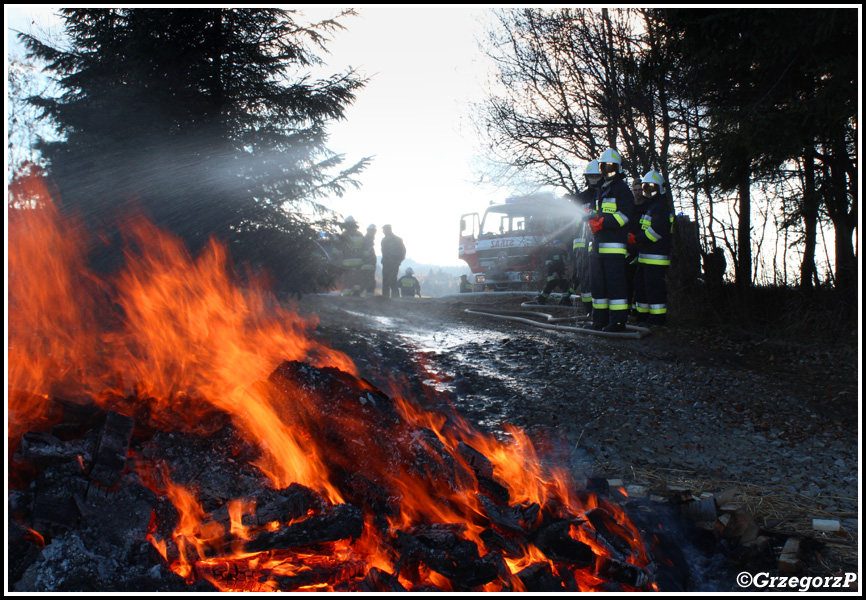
[[708, 409]]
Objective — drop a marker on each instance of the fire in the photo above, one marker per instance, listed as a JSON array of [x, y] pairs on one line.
[[192, 342], [194, 348]]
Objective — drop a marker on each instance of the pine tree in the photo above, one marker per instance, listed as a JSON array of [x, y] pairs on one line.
[[204, 120]]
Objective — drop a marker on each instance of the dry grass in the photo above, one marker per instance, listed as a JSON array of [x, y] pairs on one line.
[[774, 508]]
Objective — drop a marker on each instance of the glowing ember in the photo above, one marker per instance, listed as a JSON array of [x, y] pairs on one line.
[[382, 495]]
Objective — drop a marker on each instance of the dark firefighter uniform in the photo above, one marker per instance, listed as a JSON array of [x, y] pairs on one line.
[[654, 258], [555, 261], [409, 286], [614, 206], [393, 253], [352, 251]]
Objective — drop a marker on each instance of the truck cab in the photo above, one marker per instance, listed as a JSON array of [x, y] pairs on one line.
[[505, 247]]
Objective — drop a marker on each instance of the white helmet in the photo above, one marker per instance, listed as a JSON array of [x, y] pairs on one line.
[[610, 157], [409, 271], [350, 219], [592, 173], [371, 227], [653, 183]]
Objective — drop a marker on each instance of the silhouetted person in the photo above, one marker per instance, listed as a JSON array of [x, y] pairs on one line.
[[393, 253], [409, 286]]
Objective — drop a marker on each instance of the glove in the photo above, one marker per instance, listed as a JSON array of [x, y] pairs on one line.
[[595, 224], [632, 240]]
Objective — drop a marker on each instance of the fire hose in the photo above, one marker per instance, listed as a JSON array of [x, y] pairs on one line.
[[530, 317]]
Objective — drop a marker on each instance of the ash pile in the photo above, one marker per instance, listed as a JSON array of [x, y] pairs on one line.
[[89, 509]]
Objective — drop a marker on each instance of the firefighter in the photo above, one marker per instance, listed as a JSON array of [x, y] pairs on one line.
[[351, 249], [409, 286], [654, 253], [368, 265], [393, 253], [556, 262], [465, 286], [580, 279], [614, 205]]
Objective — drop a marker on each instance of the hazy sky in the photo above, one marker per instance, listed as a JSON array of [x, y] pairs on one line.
[[425, 68], [413, 116]]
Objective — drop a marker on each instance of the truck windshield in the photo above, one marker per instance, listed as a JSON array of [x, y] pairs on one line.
[[498, 223]]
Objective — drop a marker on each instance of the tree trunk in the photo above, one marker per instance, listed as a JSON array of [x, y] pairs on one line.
[[844, 222], [808, 272], [744, 234]]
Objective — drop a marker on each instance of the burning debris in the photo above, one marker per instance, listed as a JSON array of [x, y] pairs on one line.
[[206, 441], [188, 512]]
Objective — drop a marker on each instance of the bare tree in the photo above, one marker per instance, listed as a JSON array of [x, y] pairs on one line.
[[569, 85]]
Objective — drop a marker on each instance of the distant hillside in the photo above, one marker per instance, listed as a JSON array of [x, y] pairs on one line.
[[435, 280], [424, 269]]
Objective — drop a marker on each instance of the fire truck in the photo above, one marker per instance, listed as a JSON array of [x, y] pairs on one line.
[[505, 248]]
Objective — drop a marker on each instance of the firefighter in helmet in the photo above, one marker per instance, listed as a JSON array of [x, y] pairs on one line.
[[612, 211], [409, 286], [654, 252], [352, 251], [585, 200], [556, 262]]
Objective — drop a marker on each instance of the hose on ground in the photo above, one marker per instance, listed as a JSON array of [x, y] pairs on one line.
[[530, 317]]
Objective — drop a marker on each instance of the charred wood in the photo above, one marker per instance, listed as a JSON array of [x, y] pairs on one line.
[[506, 519], [494, 489], [55, 502], [375, 580], [538, 577], [441, 549], [337, 391], [555, 542], [232, 574], [343, 522], [316, 574], [587, 530], [111, 450], [479, 463], [483, 470], [496, 542], [607, 528], [285, 505], [23, 547], [367, 494], [432, 461], [43, 449], [617, 571]]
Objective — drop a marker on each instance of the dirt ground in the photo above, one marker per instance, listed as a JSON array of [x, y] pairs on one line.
[[703, 409]]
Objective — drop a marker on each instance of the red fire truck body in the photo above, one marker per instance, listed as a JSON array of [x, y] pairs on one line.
[[505, 248]]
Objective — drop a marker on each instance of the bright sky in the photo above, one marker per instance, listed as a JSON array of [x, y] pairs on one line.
[[425, 69], [413, 118]]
